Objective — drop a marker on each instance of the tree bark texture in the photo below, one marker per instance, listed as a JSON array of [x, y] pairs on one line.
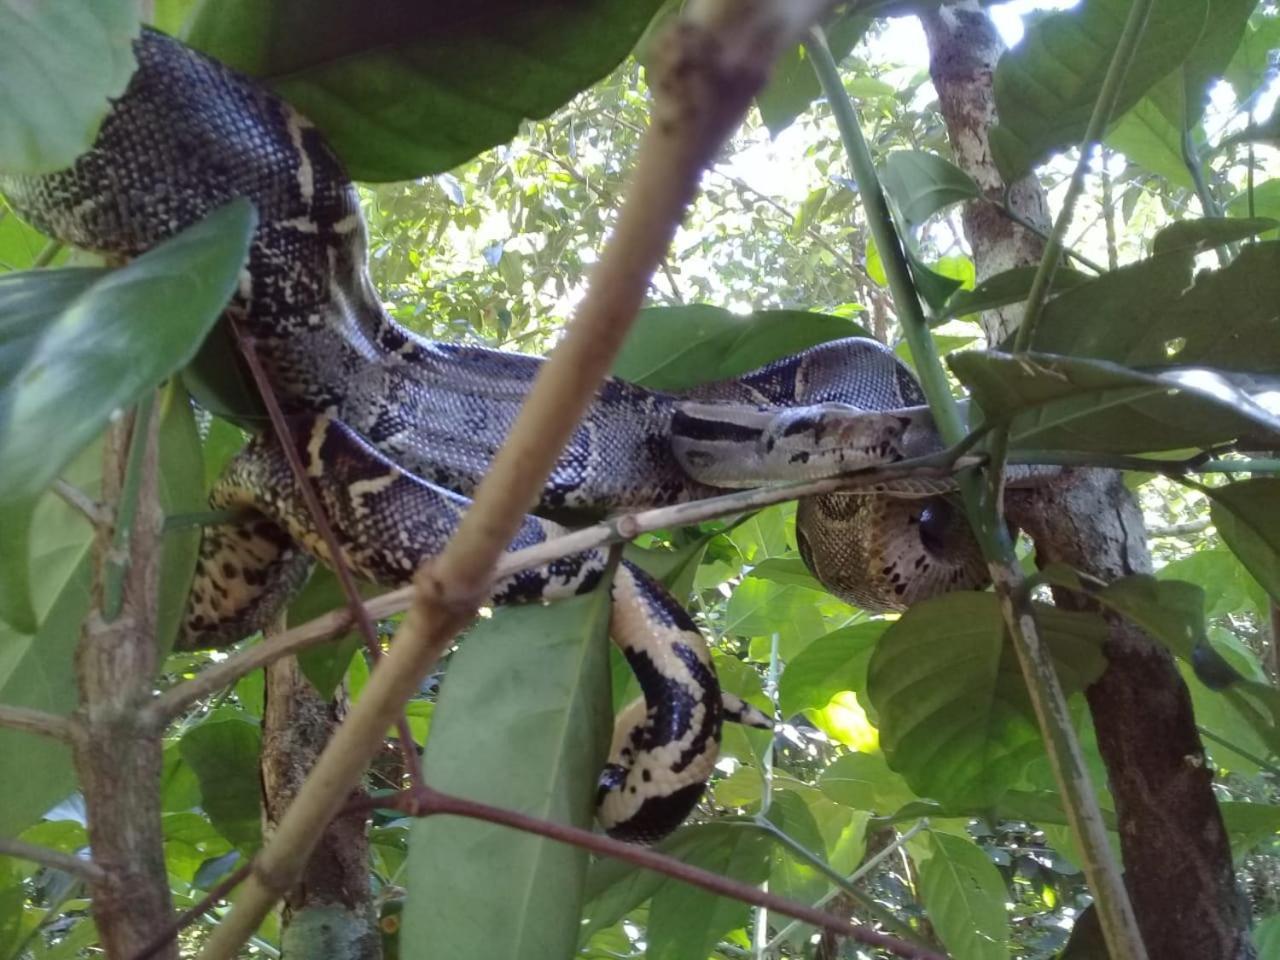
[[330, 913], [1177, 860], [964, 48], [118, 755]]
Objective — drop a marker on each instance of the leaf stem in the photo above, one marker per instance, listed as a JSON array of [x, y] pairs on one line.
[[54, 859]]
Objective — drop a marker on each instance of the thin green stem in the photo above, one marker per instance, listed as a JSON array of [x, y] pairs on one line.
[[1013, 215], [1209, 205], [865, 903], [46, 255], [982, 501], [116, 564], [1257, 761]]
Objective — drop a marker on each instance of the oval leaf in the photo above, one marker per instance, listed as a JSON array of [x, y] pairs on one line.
[[67, 53], [522, 722], [78, 344]]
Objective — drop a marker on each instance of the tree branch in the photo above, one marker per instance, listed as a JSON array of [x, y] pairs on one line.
[[619, 529], [337, 559], [36, 721], [712, 64], [54, 859]]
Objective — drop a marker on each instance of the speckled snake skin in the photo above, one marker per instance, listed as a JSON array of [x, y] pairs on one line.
[[395, 431]]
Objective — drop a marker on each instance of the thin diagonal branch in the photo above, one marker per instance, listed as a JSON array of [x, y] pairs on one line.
[[619, 529], [713, 62], [36, 721], [337, 559], [427, 802], [56, 859]]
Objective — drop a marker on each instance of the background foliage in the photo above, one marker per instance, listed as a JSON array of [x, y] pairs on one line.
[[487, 236]]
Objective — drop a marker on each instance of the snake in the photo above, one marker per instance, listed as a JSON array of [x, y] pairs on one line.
[[395, 431]]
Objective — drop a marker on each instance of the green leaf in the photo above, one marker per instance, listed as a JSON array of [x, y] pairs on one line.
[[326, 665], [37, 671], [1045, 88], [64, 52], [827, 666], [1247, 515], [1063, 403], [1001, 289], [1266, 936], [74, 349], [1155, 313], [15, 579], [687, 922], [954, 716], [223, 753], [964, 896], [793, 85], [864, 781], [714, 344], [181, 491], [922, 183], [542, 675], [418, 88], [1249, 824]]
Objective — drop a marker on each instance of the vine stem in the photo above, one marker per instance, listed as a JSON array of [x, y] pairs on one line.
[[1115, 911], [713, 62]]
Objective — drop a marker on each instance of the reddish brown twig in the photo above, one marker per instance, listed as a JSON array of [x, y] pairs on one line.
[[426, 802], [355, 603], [193, 913]]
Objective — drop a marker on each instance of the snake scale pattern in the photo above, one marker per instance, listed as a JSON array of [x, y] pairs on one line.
[[395, 431]]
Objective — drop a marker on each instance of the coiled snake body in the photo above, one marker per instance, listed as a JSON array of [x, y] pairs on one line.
[[395, 430]]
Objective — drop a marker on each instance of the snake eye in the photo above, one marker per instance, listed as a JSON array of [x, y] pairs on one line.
[[936, 517]]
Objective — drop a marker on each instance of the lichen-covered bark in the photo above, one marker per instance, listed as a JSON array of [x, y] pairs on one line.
[[1177, 860], [330, 913], [964, 48], [118, 756]]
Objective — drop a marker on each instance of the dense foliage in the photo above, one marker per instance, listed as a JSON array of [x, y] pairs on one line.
[[907, 756]]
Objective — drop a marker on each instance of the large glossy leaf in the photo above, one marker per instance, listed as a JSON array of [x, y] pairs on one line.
[[955, 720], [1154, 313], [687, 922], [963, 894], [793, 85], [223, 753], [1247, 515], [829, 665], [78, 344], [522, 722], [37, 671], [922, 183], [419, 88], [1055, 403], [1046, 87], [74, 54], [1010, 286], [1266, 936], [864, 781], [711, 343]]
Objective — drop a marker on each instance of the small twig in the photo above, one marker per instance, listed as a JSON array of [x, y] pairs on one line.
[[620, 529], [337, 560], [78, 500], [193, 913], [46, 255], [54, 859], [36, 721], [1181, 529], [426, 802], [870, 864]]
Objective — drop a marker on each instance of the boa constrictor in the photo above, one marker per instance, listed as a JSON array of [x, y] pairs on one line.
[[395, 430]]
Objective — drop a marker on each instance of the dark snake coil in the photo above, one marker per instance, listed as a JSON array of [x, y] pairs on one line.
[[396, 431]]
